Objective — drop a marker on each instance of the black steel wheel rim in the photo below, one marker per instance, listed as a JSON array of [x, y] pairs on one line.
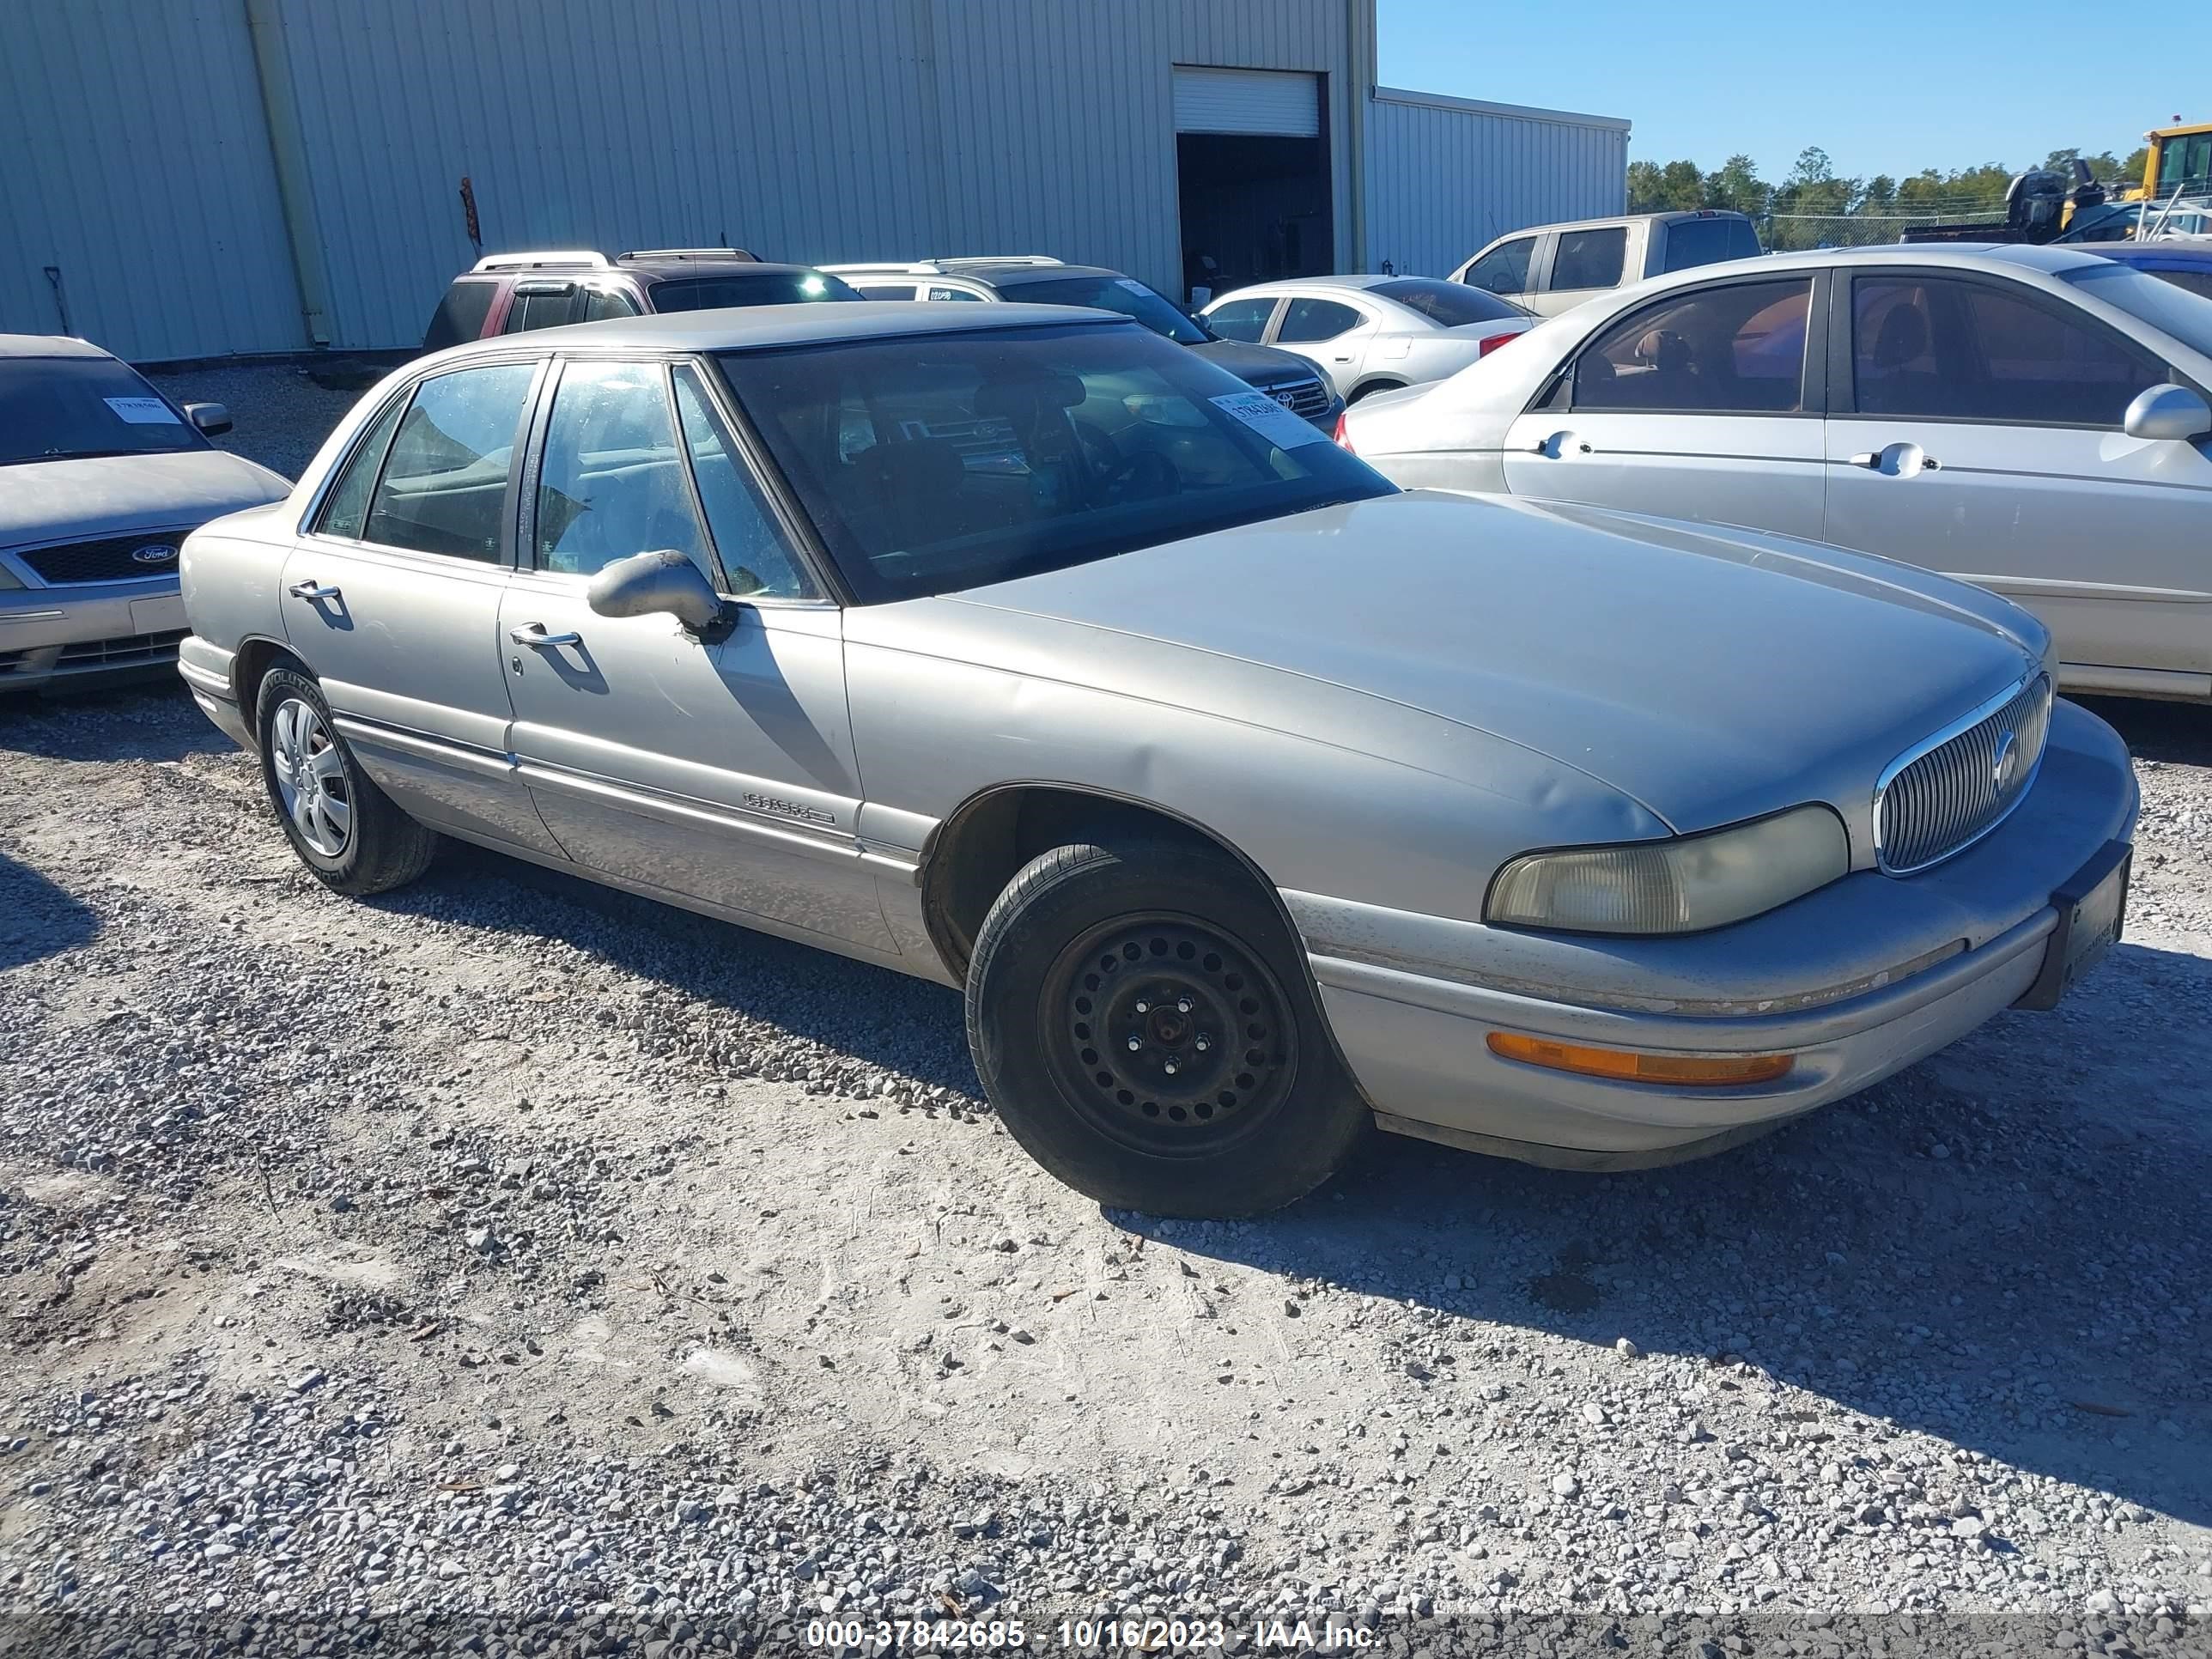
[[1168, 1034]]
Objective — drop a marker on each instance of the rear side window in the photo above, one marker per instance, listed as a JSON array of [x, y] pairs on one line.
[[347, 509], [1449, 305], [1504, 269], [1242, 320], [541, 308], [1944, 349], [1309, 320], [1735, 349], [460, 315], [1589, 258], [445, 485]]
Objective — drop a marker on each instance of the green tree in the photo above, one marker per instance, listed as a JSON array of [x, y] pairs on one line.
[[1738, 185]]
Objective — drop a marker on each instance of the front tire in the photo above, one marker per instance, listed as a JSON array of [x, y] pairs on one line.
[[345, 829], [1140, 1025]]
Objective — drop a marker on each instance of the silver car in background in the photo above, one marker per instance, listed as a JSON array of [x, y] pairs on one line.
[[1371, 334], [1249, 801], [101, 478], [2032, 419]]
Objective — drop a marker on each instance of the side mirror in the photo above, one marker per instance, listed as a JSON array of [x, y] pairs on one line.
[[2168, 411], [213, 419], [647, 583]]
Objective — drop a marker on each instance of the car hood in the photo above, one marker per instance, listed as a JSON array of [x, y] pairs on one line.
[[114, 495], [1257, 365], [1710, 675]]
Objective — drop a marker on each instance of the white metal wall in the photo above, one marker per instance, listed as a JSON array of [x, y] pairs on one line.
[[1445, 175], [138, 163]]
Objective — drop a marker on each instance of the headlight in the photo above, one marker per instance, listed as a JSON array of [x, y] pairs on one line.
[[1679, 886]]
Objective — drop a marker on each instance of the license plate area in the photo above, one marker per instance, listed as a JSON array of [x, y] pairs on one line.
[[2092, 905]]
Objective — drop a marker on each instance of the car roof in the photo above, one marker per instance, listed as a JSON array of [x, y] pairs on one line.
[[1671, 216], [992, 273], [48, 345], [662, 270], [1358, 282], [737, 328]]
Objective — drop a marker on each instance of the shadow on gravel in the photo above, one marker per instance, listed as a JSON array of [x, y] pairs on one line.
[[151, 720], [37, 919], [2003, 1247]]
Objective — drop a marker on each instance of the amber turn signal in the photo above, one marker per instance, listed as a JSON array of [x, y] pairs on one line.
[[1682, 1071]]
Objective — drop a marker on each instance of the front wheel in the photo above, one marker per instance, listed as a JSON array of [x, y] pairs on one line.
[[1140, 1025], [345, 829]]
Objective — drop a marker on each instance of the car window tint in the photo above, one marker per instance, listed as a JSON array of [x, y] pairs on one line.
[[1941, 348], [1449, 305], [1504, 269], [757, 559], [540, 310], [55, 408], [953, 293], [932, 464], [347, 510], [901, 291], [1589, 258], [445, 485], [1309, 320], [460, 315], [751, 287], [1693, 242], [611, 483], [604, 304], [1739, 348], [1242, 320]]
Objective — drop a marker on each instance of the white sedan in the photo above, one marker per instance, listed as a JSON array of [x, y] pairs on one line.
[[1372, 333], [2033, 419]]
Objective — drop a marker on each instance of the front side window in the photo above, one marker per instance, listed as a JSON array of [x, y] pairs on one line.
[[445, 483], [346, 512], [934, 464], [752, 287], [1589, 258], [611, 483], [58, 409], [1308, 321], [1449, 305], [757, 557], [1504, 269], [1242, 320], [1736, 349], [1123, 293], [1939, 349], [602, 304]]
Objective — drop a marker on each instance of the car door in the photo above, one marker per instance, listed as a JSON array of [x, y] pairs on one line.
[[1976, 429], [393, 595], [1584, 264], [1508, 270], [1704, 404], [1332, 334], [720, 771]]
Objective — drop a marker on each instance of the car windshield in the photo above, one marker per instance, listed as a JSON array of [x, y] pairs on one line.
[[934, 463], [760, 288], [1449, 305], [2187, 317], [1123, 293], [55, 409]]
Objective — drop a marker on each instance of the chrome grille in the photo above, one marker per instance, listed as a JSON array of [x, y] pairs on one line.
[[1956, 788], [1303, 398]]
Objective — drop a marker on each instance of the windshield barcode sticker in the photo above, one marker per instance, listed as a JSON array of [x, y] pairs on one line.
[[143, 411], [1270, 419]]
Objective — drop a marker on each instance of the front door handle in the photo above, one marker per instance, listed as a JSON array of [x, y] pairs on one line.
[[535, 634], [311, 590], [1556, 444], [1901, 460]]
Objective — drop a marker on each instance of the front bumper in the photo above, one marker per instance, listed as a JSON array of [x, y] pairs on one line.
[[86, 631], [1855, 982]]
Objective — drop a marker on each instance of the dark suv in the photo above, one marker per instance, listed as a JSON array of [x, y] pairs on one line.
[[1032, 279], [509, 293]]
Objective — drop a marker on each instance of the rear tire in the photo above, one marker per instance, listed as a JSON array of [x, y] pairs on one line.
[[1140, 1021], [345, 829]]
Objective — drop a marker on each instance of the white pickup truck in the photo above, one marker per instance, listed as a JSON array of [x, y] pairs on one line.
[[1553, 268]]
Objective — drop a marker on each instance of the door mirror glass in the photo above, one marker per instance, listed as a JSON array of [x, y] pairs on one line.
[[2168, 411], [213, 419], [666, 581]]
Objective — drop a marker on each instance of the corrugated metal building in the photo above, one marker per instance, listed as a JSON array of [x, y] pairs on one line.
[[308, 192]]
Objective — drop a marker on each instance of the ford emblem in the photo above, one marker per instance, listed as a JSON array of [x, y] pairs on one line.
[[2005, 762], [153, 553]]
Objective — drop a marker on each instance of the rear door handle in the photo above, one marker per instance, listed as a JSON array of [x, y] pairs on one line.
[[1894, 457], [535, 634], [311, 590], [1559, 441]]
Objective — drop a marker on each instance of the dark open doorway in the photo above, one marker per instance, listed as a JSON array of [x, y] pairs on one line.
[[1257, 206]]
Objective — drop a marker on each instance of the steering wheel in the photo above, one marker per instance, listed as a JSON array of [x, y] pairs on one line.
[[1144, 476]]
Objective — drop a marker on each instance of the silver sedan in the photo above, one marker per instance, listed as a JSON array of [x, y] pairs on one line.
[[1251, 800], [1371, 334], [2033, 419]]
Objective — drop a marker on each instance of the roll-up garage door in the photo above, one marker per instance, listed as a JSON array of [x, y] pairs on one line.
[[1274, 102]]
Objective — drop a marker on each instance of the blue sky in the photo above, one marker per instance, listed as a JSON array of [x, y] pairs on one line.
[[1882, 88]]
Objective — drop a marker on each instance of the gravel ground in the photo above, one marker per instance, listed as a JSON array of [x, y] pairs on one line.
[[507, 1265]]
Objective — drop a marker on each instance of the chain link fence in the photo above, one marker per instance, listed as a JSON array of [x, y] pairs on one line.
[[1782, 232]]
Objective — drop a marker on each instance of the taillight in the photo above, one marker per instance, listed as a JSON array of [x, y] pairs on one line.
[[1344, 432], [1483, 349]]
